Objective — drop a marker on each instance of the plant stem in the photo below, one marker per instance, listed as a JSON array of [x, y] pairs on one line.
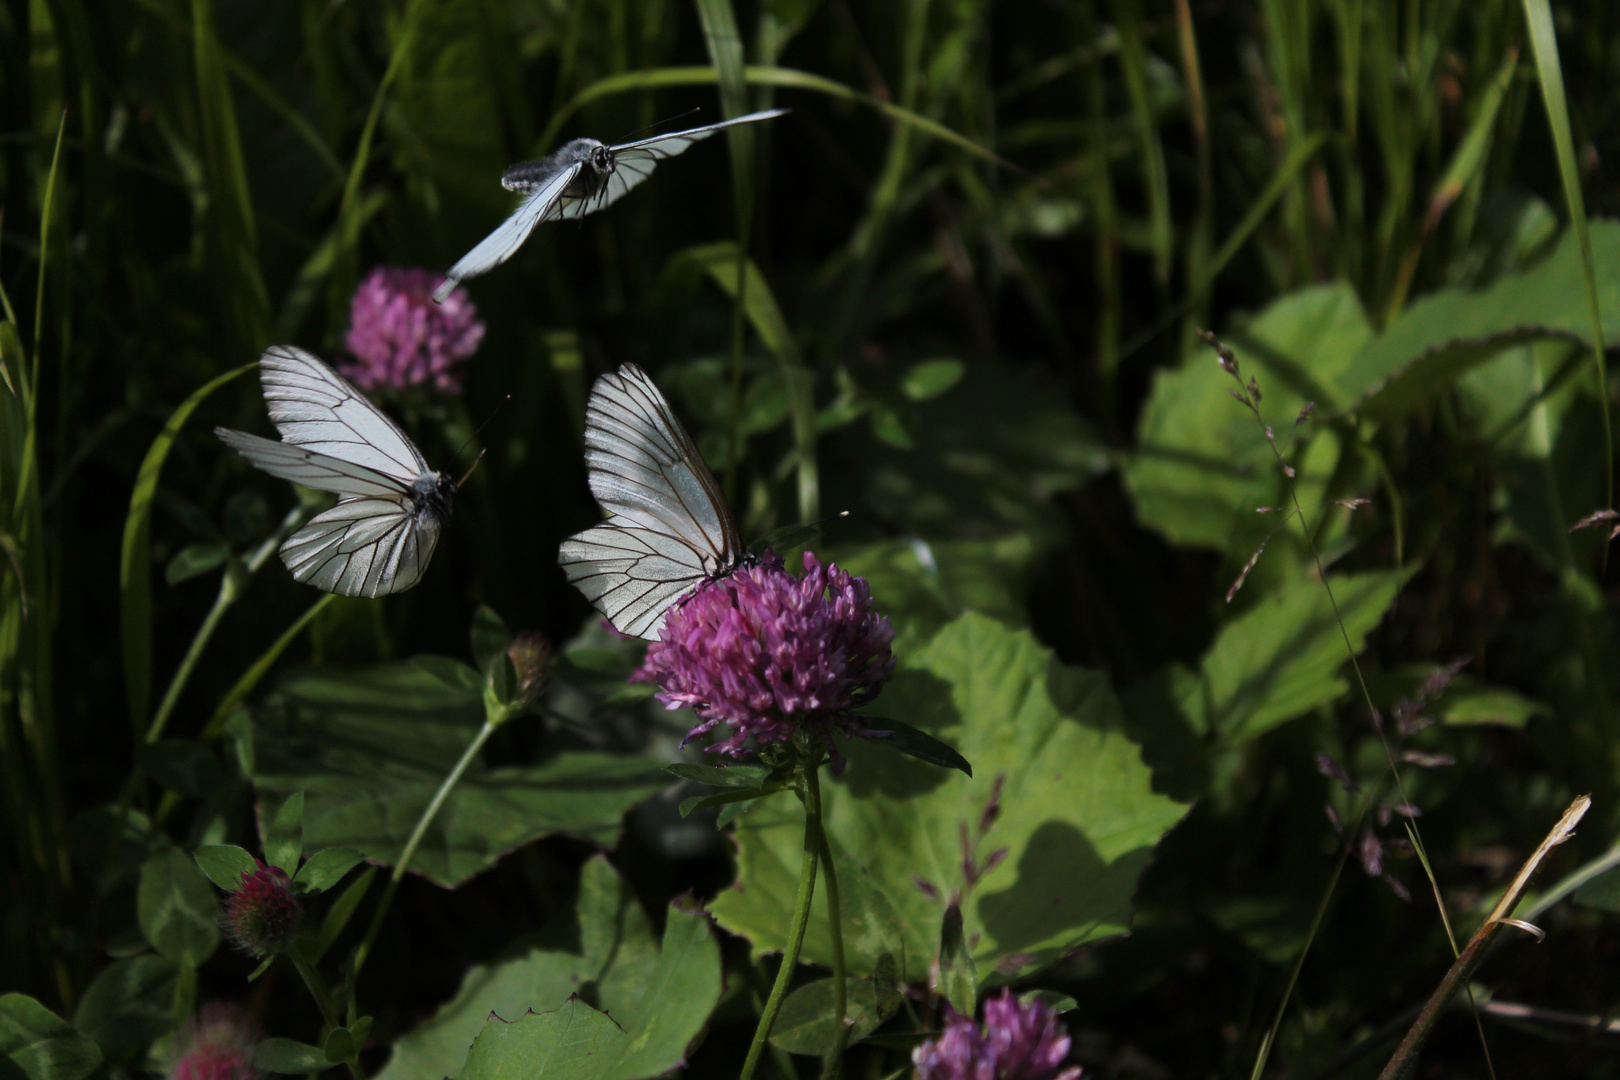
[[834, 1061], [404, 862], [316, 985], [801, 918]]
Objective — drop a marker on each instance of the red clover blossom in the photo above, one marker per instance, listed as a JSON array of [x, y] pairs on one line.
[[216, 1045], [400, 338], [262, 915], [1019, 1041], [769, 654]]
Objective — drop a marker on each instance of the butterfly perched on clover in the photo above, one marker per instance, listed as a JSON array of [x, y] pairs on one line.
[[582, 177], [668, 528], [382, 532]]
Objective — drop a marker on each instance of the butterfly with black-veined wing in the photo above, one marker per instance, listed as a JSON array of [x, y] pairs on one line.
[[382, 532], [668, 530], [581, 178]]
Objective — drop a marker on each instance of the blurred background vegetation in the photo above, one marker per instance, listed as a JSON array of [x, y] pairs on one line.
[[981, 244]]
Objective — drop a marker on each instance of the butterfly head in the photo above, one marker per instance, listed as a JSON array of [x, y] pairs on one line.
[[434, 493], [602, 158]]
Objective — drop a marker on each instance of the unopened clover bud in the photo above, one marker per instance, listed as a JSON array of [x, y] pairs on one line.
[[530, 654], [216, 1044], [262, 916]]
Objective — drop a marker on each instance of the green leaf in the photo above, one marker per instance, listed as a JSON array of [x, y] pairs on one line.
[[1077, 816], [370, 748], [290, 1058], [490, 637], [1283, 657], [325, 869], [284, 836], [573, 1042], [135, 561], [41, 1043], [1202, 467], [807, 1024], [919, 585], [662, 997], [184, 767], [340, 1045], [906, 739], [224, 865], [178, 913], [724, 798], [128, 1004], [732, 776], [1470, 704], [341, 911], [931, 378], [1448, 332], [194, 560], [451, 672]]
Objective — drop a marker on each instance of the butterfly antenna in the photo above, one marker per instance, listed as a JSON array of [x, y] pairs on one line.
[[660, 123], [481, 427], [470, 468]]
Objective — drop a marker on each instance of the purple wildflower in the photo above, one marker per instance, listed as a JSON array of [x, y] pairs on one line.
[[262, 915], [216, 1045], [769, 654], [1019, 1041], [401, 338]]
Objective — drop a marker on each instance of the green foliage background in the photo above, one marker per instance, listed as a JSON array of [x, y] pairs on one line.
[[978, 251]]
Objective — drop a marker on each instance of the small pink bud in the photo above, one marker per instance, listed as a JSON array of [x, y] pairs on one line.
[[262, 915], [216, 1044]]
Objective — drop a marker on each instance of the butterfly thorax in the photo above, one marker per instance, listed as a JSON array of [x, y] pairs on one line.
[[533, 175], [433, 493]]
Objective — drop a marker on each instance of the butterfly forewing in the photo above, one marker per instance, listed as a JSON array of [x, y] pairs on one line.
[[669, 527], [379, 537], [499, 245]]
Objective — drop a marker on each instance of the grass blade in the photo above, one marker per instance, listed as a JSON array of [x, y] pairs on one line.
[[134, 566], [1544, 44]]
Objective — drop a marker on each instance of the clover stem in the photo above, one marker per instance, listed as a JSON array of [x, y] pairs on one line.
[[801, 918], [834, 1061]]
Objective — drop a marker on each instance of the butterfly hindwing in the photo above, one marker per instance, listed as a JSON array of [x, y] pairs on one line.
[[362, 547]]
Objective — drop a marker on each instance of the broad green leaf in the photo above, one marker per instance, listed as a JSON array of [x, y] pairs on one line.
[[135, 563], [613, 950], [178, 913], [807, 1024], [325, 869], [1077, 818], [919, 585], [370, 748], [284, 835], [652, 1032], [1472, 704], [128, 1004], [1284, 656], [931, 378], [289, 1057], [42, 1044], [1203, 468], [1448, 332], [340, 1045], [224, 865]]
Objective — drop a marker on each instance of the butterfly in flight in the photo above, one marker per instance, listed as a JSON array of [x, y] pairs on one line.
[[579, 179], [382, 532], [668, 528]]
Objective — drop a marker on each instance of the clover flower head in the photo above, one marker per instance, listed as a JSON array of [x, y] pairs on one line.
[[769, 654], [1018, 1041], [262, 915], [400, 338], [216, 1044]]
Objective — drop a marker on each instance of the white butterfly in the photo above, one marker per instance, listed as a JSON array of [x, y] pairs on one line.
[[669, 528], [581, 178], [379, 537]]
